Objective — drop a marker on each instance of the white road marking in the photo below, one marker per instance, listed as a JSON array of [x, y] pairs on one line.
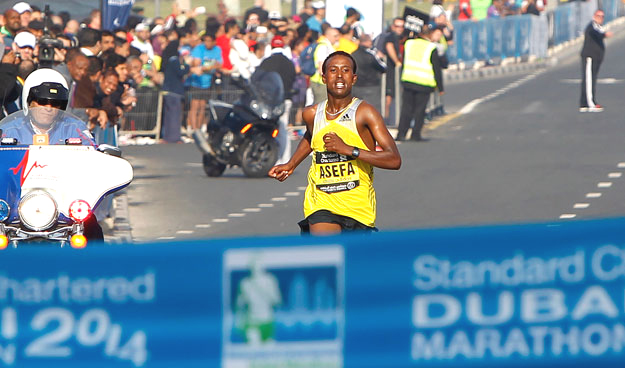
[[166, 238], [203, 226], [219, 220], [599, 81], [567, 216], [251, 210], [265, 205], [604, 184], [581, 205], [593, 195], [193, 164], [621, 165], [278, 199], [301, 188], [185, 232], [614, 175], [291, 194], [236, 215]]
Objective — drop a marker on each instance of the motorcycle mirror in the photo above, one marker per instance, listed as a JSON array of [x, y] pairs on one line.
[[110, 150]]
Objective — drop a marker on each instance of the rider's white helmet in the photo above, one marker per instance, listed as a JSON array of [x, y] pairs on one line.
[[46, 79]]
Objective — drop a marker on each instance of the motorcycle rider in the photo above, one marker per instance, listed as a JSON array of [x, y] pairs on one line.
[[45, 93]]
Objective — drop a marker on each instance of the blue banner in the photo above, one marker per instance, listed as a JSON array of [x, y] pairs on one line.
[[545, 295], [115, 13]]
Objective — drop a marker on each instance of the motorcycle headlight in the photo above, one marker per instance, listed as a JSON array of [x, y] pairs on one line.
[[278, 110], [260, 108], [5, 209], [38, 210]]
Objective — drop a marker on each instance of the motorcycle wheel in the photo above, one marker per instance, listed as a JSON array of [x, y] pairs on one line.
[[212, 167], [258, 154]]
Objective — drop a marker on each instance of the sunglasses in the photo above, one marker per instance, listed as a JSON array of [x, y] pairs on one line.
[[57, 104]]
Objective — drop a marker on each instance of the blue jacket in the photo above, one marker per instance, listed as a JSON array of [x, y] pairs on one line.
[[22, 130]]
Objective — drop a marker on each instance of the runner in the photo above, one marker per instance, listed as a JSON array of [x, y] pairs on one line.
[[342, 133]]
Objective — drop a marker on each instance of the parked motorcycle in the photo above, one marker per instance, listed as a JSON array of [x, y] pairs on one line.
[[243, 134], [48, 189]]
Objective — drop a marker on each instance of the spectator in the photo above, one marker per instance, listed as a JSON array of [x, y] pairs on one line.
[[90, 41], [347, 43], [142, 40], [105, 87], [122, 46], [25, 12], [24, 44], [300, 84], [252, 22], [206, 61], [71, 27], [280, 64], [370, 69], [352, 20], [8, 74], [231, 29], [392, 51], [532, 7], [240, 56], [94, 20], [307, 11], [465, 12], [480, 8], [84, 96], [175, 69], [592, 54], [314, 23], [324, 48], [11, 26], [496, 10], [107, 40], [258, 9], [36, 27]]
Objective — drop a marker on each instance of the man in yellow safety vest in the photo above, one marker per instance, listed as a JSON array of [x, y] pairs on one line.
[[421, 74]]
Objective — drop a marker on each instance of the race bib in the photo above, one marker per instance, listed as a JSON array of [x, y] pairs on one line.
[[335, 173]]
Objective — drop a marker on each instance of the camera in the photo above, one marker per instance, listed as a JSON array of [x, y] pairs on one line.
[[47, 43]]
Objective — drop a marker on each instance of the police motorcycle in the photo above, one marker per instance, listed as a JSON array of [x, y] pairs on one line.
[[52, 175], [243, 134]]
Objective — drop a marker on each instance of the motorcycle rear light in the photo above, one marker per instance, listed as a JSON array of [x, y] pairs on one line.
[[275, 133], [78, 241], [8, 141], [79, 210], [4, 210], [246, 128], [73, 141], [4, 241]]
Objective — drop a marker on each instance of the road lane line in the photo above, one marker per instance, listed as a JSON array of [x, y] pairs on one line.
[[621, 165], [581, 205], [291, 194], [567, 216], [278, 199], [236, 215], [265, 205], [593, 195], [251, 210], [614, 175], [301, 188], [604, 184], [203, 226], [187, 232], [220, 220], [166, 238]]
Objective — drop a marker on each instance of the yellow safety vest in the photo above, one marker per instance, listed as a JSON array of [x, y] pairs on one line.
[[418, 67]]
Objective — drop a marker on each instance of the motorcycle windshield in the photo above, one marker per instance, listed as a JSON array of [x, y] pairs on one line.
[[45, 125], [66, 172], [268, 88]]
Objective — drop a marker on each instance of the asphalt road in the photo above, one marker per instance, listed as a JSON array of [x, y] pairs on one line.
[[523, 154]]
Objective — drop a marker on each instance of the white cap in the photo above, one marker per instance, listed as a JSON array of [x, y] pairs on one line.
[[318, 4], [274, 15], [25, 39], [22, 7], [142, 27], [436, 11]]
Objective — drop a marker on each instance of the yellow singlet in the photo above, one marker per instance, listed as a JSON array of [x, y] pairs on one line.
[[340, 184]]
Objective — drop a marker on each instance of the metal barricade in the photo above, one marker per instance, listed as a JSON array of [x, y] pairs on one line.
[[145, 117]]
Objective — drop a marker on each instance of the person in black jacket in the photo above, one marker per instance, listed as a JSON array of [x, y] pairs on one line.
[[175, 70], [592, 56], [280, 64], [371, 69], [8, 76]]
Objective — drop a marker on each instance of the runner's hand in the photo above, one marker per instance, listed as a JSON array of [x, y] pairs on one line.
[[334, 143], [281, 172]]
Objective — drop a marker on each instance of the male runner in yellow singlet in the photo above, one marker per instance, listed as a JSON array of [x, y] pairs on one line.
[[342, 133]]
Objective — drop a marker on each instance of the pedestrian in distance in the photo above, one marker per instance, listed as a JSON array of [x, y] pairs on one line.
[[342, 133], [592, 57]]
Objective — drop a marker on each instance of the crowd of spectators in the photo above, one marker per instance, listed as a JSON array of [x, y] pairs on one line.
[[110, 71]]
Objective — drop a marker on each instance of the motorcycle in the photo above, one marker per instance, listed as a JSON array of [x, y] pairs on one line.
[[49, 189], [243, 134]]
